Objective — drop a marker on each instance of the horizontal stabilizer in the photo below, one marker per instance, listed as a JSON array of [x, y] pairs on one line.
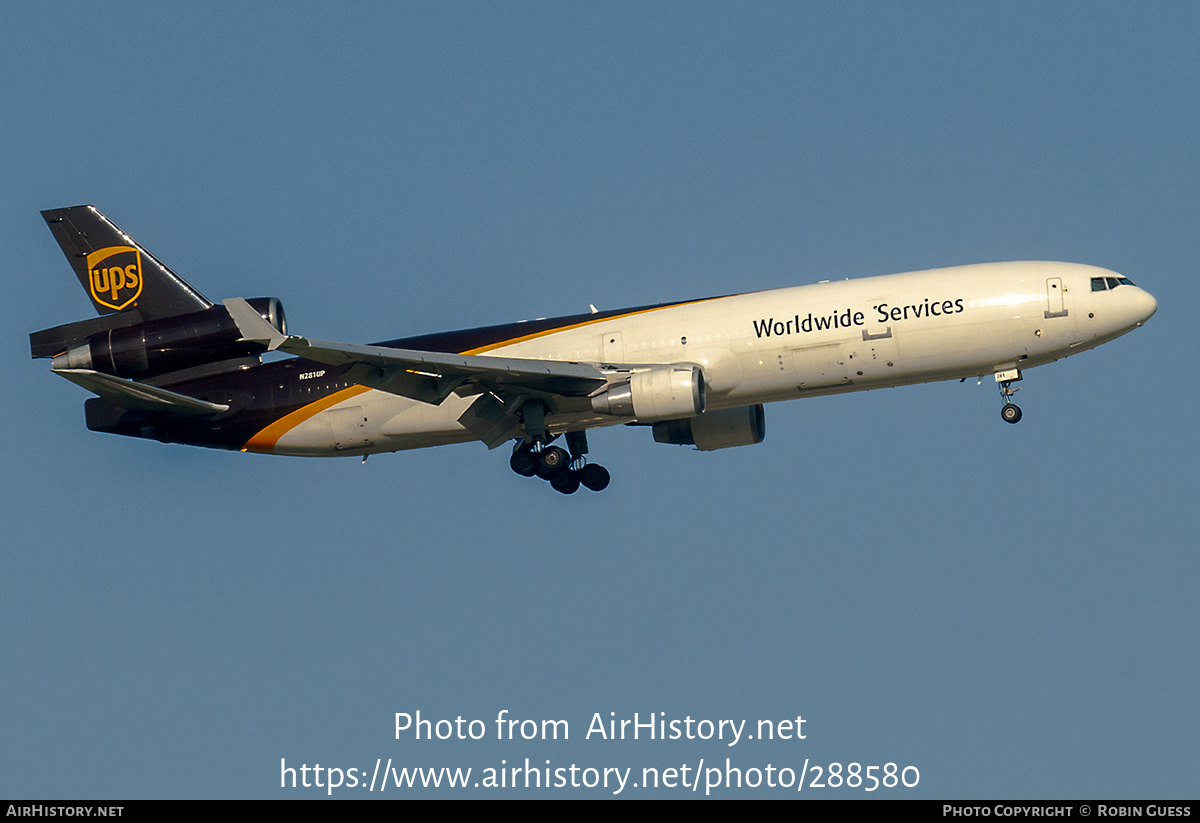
[[134, 396]]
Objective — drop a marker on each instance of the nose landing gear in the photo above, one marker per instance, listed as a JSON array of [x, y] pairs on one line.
[[1010, 412]]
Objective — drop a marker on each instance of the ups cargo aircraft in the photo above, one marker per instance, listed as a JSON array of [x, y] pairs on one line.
[[170, 365]]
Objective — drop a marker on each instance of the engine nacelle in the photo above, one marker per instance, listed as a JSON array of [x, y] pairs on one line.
[[718, 429], [658, 393], [172, 343]]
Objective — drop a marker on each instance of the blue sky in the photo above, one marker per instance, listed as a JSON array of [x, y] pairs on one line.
[[1010, 609]]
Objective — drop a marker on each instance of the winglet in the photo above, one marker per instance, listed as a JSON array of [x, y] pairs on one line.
[[252, 325]]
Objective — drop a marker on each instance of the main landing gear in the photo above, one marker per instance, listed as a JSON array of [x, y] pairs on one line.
[[566, 470]]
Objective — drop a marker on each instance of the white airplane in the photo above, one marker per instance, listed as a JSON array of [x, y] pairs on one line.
[[170, 365]]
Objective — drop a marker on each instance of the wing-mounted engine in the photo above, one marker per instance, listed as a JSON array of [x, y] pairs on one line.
[[655, 393], [713, 430], [154, 347]]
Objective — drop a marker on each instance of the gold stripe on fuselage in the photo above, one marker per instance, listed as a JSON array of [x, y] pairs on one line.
[[266, 439]]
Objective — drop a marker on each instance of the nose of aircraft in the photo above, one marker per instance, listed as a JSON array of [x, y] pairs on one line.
[[1146, 306]]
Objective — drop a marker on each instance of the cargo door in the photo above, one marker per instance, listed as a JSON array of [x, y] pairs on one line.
[[612, 347], [349, 427], [823, 366]]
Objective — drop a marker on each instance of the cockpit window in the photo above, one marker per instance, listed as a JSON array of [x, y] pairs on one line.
[[1105, 283]]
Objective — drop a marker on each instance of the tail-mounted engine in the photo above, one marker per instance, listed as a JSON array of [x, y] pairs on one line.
[[712, 430], [154, 347], [657, 393]]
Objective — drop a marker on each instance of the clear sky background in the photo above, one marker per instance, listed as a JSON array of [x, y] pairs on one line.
[[1010, 609]]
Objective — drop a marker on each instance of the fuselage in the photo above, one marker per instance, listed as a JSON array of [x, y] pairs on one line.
[[758, 347]]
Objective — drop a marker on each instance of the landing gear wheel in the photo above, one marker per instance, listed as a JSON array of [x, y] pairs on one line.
[[523, 462], [595, 477], [565, 470], [566, 482], [1005, 379], [552, 461]]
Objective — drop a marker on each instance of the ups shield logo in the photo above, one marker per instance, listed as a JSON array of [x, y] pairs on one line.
[[115, 276]]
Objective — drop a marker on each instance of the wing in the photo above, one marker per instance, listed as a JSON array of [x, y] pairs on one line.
[[426, 376], [431, 377]]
